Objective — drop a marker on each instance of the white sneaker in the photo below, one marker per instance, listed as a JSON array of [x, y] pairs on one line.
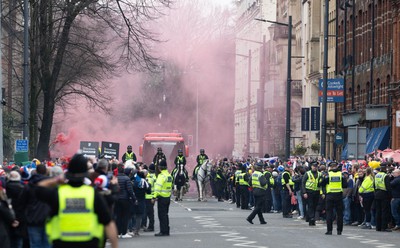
[[295, 212], [300, 217], [126, 236]]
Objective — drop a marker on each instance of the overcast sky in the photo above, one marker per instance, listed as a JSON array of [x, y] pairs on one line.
[[223, 2]]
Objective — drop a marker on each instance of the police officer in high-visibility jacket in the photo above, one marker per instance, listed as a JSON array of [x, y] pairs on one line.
[[151, 179], [287, 190], [311, 191], [243, 179], [79, 215], [162, 193], [271, 182], [382, 199], [260, 185], [129, 155], [236, 183], [334, 183]]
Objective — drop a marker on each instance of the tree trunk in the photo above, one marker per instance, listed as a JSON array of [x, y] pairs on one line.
[[47, 123]]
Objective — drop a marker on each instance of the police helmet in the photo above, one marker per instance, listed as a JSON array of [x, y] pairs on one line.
[[201, 151], [129, 147], [159, 149], [180, 151]]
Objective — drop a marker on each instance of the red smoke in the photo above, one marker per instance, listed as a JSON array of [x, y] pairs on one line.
[[199, 42]]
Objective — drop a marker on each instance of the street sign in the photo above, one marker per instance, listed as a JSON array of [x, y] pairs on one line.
[[305, 119], [335, 90], [376, 114], [339, 139], [90, 148], [315, 118], [110, 149], [21, 145]]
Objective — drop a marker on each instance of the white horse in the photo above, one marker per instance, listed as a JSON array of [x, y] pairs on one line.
[[203, 177]]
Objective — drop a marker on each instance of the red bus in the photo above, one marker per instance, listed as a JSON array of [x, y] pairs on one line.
[[169, 142]]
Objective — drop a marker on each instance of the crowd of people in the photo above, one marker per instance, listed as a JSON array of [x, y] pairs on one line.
[[82, 202], [367, 193], [39, 202]]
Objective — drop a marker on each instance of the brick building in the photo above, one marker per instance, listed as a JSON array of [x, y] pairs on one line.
[[395, 87]]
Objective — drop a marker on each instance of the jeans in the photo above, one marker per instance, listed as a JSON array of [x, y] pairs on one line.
[[395, 205], [37, 237], [346, 210], [300, 203]]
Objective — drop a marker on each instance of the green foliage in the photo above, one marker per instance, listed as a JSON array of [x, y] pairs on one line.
[[299, 150], [315, 146]]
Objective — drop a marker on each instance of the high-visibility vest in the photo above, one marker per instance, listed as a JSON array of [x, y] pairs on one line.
[[151, 179], [128, 156], [163, 184], [335, 182], [241, 179], [367, 185], [76, 220], [290, 179], [271, 178], [255, 180], [380, 181], [237, 176], [180, 159], [312, 182], [202, 158]]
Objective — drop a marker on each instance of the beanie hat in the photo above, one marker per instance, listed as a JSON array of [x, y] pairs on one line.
[[101, 182], [14, 176], [78, 164], [152, 168]]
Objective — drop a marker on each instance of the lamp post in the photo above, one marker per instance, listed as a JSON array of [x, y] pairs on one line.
[[288, 82], [325, 80]]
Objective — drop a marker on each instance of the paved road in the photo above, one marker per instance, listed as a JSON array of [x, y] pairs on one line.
[[220, 224]]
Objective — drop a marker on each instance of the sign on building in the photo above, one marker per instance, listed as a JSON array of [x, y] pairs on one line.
[[335, 90], [356, 141]]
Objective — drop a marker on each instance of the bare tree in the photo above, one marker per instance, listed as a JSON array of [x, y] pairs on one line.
[[76, 46]]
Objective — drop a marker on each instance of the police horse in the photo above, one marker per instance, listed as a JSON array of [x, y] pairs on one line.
[[202, 178], [180, 185]]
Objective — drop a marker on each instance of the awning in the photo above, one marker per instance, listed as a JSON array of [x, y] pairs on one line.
[[377, 138]]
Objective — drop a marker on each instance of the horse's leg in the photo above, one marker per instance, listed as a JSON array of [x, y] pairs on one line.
[[181, 193], [205, 191], [198, 189], [200, 184]]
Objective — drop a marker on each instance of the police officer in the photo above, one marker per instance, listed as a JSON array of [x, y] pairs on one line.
[[236, 182], [260, 185], [271, 183], [334, 183], [162, 193], [79, 215], [220, 182], [151, 179], [243, 179], [287, 191], [311, 191], [129, 155], [200, 159], [157, 158], [382, 199], [180, 160]]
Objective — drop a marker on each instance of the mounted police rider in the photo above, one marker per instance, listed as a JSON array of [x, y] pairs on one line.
[[200, 160], [158, 158], [129, 155], [180, 160]]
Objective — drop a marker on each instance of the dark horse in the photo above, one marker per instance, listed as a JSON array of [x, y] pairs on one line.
[[180, 179]]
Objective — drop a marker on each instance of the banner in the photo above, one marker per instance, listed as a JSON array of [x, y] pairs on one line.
[[305, 119], [90, 148], [110, 149], [315, 118], [335, 91]]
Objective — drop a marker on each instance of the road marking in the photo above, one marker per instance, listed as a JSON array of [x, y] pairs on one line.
[[374, 242], [207, 221], [240, 240]]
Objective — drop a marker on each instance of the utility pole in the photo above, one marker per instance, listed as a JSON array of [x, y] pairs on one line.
[[288, 89], [26, 72], [262, 95], [325, 80]]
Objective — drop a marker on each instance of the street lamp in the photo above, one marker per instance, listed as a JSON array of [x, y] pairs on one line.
[[288, 82]]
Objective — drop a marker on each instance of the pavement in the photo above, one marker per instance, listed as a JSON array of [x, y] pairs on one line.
[[220, 224]]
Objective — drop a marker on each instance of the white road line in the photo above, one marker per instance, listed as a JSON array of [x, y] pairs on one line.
[[240, 240], [207, 221], [373, 242]]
